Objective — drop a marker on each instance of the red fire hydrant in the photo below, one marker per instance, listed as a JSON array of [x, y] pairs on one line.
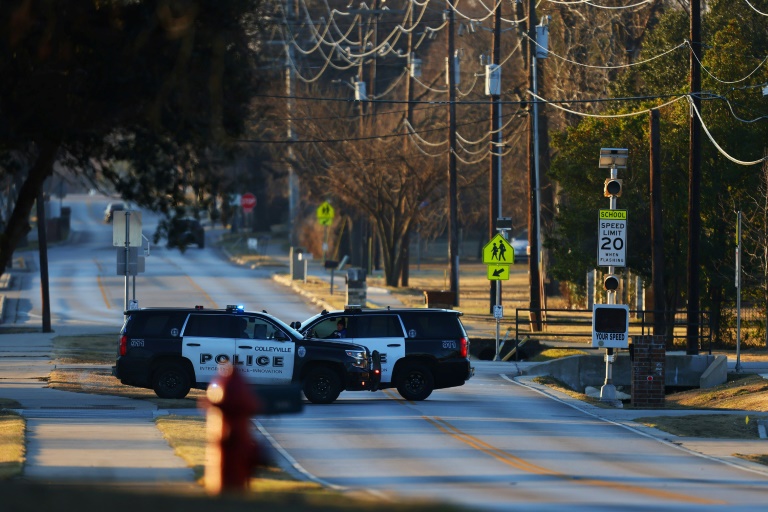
[[231, 453]]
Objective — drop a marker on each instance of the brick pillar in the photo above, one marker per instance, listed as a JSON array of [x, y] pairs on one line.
[[648, 360]]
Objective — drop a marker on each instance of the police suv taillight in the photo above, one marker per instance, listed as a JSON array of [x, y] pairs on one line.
[[464, 348], [123, 347]]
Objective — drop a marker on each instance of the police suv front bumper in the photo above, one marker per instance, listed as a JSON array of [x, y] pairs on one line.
[[367, 378]]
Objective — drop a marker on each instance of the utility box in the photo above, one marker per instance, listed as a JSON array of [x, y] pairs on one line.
[[298, 267], [444, 299], [648, 357], [357, 287]]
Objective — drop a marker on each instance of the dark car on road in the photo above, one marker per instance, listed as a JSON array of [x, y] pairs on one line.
[[185, 232]]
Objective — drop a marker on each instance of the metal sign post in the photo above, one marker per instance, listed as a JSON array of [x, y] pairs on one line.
[[126, 234], [499, 255], [738, 291]]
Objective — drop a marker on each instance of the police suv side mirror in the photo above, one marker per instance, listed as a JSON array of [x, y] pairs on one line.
[[280, 336]]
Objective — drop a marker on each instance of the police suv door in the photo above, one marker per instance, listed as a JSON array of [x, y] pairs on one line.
[[209, 343], [264, 353], [379, 332]]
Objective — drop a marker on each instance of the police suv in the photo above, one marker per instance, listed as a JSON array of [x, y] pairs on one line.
[[421, 349], [172, 350]]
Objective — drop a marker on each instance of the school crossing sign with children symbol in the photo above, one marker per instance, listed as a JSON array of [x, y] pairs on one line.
[[498, 255]]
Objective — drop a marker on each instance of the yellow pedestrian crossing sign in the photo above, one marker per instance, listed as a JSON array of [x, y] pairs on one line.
[[325, 214], [498, 272], [498, 252]]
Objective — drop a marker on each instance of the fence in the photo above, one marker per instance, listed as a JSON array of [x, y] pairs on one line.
[[576, 325]]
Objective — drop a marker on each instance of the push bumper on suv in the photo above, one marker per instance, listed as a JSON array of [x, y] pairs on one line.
[[364, 379]]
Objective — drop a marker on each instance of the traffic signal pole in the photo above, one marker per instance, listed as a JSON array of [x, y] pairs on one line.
[[612, 158], [608, 390]]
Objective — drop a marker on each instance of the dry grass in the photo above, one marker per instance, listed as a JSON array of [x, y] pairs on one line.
[[12, 428], [474, 294], [742, 392], [187, 436], [557, 353], [101, 382], [474, 289], [98, 349], [717, 426]]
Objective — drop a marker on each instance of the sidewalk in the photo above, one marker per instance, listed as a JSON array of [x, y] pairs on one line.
[[80, 437]]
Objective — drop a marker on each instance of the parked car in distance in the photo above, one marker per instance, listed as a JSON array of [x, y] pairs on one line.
[[520, 244], [186, 231], [110, 209]]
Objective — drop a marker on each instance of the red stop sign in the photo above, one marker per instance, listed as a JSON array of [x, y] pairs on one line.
[[248, 202]]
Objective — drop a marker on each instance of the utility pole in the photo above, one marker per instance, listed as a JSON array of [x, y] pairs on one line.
[[694, 184], [42, 240], [290, 92], [657, 237], [406, 249], [534, 278], [453, 200], [496, 145]]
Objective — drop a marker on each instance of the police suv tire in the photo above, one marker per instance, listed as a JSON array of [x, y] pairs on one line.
[[415, 382], [171, 380], [322, 385]]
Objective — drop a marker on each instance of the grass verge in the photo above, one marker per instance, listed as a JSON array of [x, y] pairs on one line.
[[12, 428], [742, 392]]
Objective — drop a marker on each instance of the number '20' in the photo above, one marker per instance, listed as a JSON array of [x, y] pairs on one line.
[[616, 244]]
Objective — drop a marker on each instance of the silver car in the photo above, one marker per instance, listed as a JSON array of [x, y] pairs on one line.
[[520, 244]]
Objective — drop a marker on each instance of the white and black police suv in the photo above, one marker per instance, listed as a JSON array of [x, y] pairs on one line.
[[172, 350], [421, 349]]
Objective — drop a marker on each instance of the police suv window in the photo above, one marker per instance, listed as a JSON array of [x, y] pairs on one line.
[[326, 328], [263, 330], [210, 326], [435, 326], [379, 326], [155, 324]]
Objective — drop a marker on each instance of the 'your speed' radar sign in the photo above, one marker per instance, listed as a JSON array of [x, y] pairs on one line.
[[612, 238]]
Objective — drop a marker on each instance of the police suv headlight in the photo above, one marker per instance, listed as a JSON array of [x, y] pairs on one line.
[[360, 358]]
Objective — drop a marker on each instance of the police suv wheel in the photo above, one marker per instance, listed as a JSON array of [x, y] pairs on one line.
[[171, 380], [322, 385], [415, 382]]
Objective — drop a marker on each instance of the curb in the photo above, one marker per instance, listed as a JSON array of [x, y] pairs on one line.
[[286, 281]]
